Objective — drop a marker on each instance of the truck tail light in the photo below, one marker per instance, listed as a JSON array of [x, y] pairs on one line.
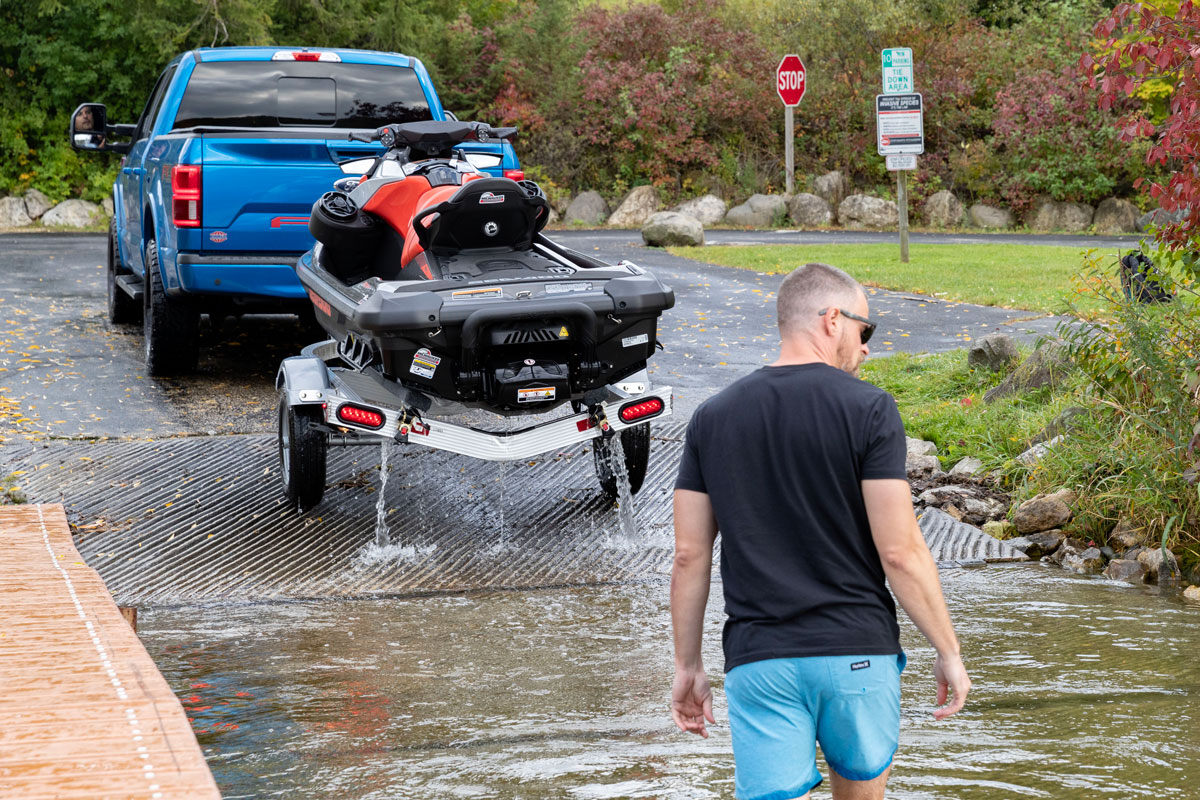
[[515, 174], [304, 55], [631, 412], [185, 196]]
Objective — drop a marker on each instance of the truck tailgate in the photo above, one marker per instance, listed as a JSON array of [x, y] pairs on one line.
[[258, 192]]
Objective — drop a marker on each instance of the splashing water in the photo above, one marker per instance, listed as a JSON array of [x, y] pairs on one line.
[[383, 535], [625, 514]]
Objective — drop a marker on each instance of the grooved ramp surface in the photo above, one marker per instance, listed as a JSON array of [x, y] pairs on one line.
[[951, 540], [84, 712], [203, 518]]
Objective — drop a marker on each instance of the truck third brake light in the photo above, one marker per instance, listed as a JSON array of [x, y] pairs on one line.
[[357, 415], [304, 55], [641, 410]]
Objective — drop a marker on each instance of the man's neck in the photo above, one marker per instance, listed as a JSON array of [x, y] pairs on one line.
[[794, 353]]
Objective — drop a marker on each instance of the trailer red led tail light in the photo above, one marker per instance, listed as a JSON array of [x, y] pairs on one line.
[[363, 417], [185, 196], [643, 409], [515, 174]]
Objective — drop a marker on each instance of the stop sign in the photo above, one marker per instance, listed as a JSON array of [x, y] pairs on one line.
[[789, 80]]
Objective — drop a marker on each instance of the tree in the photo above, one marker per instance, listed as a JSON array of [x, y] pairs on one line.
[[1141, 43]]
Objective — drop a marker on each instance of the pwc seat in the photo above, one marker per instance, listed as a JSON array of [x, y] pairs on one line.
[[484, 213]]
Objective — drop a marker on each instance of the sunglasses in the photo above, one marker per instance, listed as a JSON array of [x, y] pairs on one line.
[[868, 326]]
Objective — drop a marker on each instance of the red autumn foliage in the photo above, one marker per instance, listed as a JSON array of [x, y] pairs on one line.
[[1140, 42]]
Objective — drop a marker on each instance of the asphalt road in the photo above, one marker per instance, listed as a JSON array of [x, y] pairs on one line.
[[66, 373]]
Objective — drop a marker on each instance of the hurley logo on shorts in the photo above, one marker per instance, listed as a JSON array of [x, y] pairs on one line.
[[859, 665]]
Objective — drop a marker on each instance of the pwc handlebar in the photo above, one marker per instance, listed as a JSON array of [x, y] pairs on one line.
[[433, 135]]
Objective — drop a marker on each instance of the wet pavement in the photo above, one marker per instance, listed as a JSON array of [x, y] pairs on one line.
[[65, 372]]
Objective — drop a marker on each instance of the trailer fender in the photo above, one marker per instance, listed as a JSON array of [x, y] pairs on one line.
[[303, 381]]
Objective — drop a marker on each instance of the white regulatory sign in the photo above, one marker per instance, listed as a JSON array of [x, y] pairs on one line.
[[900, 163], [897, 70], [899, 124]]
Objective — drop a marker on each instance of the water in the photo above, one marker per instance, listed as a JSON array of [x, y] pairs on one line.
[[625, 513], [1083, 689], [383, 534]]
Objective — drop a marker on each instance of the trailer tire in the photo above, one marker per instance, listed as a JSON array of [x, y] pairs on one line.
[[303, 455], [635, 442], [122, 309], [171, 324]]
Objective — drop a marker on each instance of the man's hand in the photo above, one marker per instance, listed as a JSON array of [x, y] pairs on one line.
[[952, 683], [691, 701]]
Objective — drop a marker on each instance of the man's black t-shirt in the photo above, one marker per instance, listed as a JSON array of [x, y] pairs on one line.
[[781, 454]]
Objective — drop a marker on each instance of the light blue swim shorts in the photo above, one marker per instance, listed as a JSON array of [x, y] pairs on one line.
[[780, 708]]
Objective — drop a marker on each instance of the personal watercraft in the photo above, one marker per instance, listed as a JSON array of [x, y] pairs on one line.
[[440, 293]]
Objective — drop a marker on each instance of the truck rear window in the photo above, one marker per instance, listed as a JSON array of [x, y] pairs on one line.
[[271, 94]]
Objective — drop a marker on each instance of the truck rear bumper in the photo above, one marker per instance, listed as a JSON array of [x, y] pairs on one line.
[[259, 276]]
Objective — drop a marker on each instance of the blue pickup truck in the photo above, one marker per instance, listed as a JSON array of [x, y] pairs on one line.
[[220, 173]]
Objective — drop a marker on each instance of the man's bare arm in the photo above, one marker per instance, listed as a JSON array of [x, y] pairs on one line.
[[695, 532], [914, 578]]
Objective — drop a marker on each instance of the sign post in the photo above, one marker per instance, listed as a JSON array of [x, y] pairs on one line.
[[789, 83], [900, 135]]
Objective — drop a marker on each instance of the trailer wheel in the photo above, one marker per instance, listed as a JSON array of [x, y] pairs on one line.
[[635, 442], [171, 324], [303, 451], [122, 309]]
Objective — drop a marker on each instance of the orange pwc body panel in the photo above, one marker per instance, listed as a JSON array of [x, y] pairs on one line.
[[397, 203]]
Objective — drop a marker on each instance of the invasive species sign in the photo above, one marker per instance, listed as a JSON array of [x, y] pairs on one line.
[[899, 124]]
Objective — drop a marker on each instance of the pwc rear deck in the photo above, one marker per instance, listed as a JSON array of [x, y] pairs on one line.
[[84, 713]]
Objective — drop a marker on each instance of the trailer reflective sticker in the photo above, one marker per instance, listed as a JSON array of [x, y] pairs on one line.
[[473, 294], [536, 394], [631, 341], [488, 198], [566, 288], [424, 363]]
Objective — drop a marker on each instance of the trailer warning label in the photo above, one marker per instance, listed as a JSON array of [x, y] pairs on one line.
[[424, 363]]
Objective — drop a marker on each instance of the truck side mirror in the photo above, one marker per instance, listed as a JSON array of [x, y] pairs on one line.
[[90, 129]]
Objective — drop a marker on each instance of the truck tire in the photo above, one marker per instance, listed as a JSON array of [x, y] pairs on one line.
[[171, 324], [303, 453], [635, 442], [122, 309]]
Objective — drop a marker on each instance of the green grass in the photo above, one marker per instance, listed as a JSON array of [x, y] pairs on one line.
[[941, 400], [1033, 277]]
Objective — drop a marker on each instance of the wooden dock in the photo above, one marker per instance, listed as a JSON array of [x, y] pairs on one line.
[[84, 713]]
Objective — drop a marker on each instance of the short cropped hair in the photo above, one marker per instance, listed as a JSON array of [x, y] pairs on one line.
[[807, 290]]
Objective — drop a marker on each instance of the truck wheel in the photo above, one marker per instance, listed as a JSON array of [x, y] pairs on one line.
[[122, 309], [171, 324], [635, 442], [303, 451]]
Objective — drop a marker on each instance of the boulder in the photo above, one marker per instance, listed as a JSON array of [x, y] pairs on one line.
[[1088, 562], [13, 214], [107, 205], [709, 209], [1003, 529], [859, 211], [1160, 217], [552, 216], [637, 207], [966, 468], [760, 211], [73, 214], [985, 216], [1055, 215], [587, 208], [971, 504], [943, 210], [917, 466], [995, 352], [1043, 543], [1124, 569], [1192, 593], [832, 187], [809, 211], [1042, 513], [1126, 536], [670, 228], [37, 204], [919, 447], [1115, 215], [1070, 547], [1159, 568], [1046, 366]]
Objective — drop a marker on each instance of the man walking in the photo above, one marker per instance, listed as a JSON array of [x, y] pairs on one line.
[[800, 466]]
